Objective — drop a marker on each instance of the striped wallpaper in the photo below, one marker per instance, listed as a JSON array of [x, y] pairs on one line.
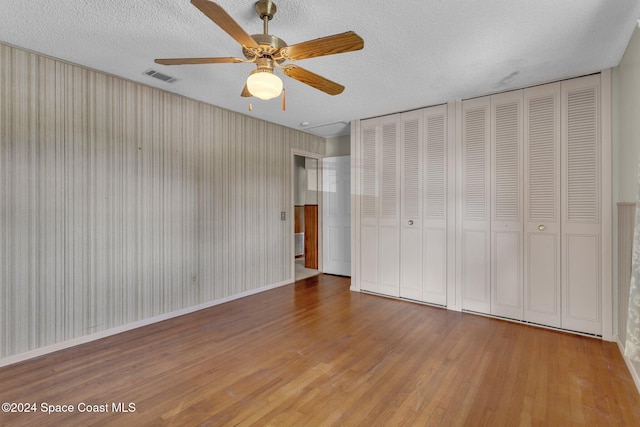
[[120, 202]]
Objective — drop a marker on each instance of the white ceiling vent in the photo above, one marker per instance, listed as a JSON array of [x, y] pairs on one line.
[[158, 75]]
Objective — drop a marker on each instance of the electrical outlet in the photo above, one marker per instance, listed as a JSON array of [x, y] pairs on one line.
[[283, 216]]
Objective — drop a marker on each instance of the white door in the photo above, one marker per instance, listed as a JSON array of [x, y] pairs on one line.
[[581, 193], [379, 192], [476, 224], [542, 285], [389, 205], [506, 205], [368, 193], [434, 225], [411, 205], [336, 215]]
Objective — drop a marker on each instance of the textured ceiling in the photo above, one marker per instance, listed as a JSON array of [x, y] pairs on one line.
[[417, 52]]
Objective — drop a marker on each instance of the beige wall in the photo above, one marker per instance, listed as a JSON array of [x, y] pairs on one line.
[[300, 181], [306, 181], [626, 81], [339, 146], [626, 139], [120, 202]]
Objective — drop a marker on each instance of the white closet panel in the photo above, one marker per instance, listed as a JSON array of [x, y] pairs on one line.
[[368, 207], [389, 215], [506, 206], [476, 222], [411, 145], [435, 206], [581, 229], [380, 205], [542, 205]]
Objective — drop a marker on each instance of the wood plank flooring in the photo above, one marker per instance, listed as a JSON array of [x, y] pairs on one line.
[[313, 353]]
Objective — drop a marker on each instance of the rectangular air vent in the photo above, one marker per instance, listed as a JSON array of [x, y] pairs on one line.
[[329, 130], [160, 76]]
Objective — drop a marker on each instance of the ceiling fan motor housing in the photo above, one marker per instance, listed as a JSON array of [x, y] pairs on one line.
[[268, 46]]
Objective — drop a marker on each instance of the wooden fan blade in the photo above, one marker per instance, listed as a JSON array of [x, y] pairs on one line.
[[225, 21], [245, 92], [181, 61], [313, 80], [330, 45]]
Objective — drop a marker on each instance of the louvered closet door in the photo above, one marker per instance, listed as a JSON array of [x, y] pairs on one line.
[[411, 141], [506, 206], [434, 240], [369, 278], [542, 286], [581, 228], [476, 224], [389, 205]]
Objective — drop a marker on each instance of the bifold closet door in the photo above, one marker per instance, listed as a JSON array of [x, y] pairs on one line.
[[506, 205], [423, 254], [542, 279], [581, 194], [368, 191], [434, 233], [476, 225], [411, 267], [380, 205]]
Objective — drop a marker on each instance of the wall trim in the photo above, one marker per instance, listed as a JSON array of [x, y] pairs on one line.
[[609, 287], [31, 354]]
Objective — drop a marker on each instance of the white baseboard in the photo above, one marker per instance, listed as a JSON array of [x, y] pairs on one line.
[[21, 357], [631, 366]]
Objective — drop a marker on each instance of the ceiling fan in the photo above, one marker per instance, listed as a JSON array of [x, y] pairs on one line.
[[268, 51]]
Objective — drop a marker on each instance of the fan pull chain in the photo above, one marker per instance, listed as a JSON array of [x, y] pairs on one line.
[[250, 107], [284, 100]]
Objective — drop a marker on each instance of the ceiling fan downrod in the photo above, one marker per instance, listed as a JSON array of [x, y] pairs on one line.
[[266, 9]]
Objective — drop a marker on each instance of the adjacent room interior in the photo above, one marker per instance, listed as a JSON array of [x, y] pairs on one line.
[[431, 220]]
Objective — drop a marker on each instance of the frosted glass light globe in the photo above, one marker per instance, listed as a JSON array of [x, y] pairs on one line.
[[264, 85]]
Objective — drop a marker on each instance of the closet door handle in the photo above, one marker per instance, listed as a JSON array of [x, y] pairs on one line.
[[410, 222], [541, 227]]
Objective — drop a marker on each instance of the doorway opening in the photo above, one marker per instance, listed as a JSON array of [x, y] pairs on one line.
[[306, 216]]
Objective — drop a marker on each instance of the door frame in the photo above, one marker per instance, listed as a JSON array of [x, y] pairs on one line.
[[292, 238]]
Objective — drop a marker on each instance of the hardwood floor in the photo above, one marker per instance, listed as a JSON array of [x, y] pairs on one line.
[[314, 353]]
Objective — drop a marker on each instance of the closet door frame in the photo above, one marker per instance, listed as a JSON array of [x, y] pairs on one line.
[[608, 332], [455, 228]]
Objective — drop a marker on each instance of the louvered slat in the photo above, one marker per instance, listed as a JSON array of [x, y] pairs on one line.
[[389, 181], [507, 164], [475, 166], [368, 156], [436, 167], [582, 156], [410, 168], [542, 178]]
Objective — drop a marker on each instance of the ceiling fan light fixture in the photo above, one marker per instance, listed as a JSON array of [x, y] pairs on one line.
[[264, 84]]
